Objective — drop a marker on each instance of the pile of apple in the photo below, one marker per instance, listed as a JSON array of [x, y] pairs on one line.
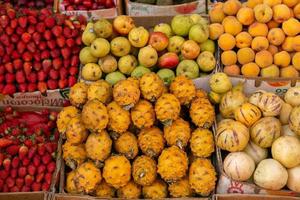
[[119, 49], [71, 5], [39, 50], [31, 3], [261, 38]]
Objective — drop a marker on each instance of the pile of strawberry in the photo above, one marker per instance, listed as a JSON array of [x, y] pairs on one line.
[[87, 4], [31, 3], [28, 143], [39, 50]]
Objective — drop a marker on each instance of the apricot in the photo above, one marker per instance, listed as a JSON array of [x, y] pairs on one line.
[[296, 43], [272, 49], [282, 59], [287, 45], [226, 41], [296, 60], [272, 24], [270, 71], [263, 59], [263, 13], [215, 30], [281, 13], [245, 16], [260, 43], [291, 12], [216, 14], [276, 36], [250, 69], [258, 29], [245, 55], [228, 57], [289, 72], [253, 3], [231, 7], [297, 11], [232, 25], [272, 3], [290, 3], [232, 70], [291, 27], [243, 39]]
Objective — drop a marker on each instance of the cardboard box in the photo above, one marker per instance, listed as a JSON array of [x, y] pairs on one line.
[[91, 14], [141, 9], [53, 98], [26, 196], [251, 197]]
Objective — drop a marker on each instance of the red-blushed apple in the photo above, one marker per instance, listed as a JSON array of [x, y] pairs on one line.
[[168, 60], [190, 49], [158, 40], [123, 24]]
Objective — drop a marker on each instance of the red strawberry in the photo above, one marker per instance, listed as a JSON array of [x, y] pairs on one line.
[[31, 170], [36, 37], [22, 171], [46, 158], [14, 189], [37, 56], [40, 27], [48, 177], [75, 33], [27, 68], [76, 50], [18, 64], [41, 169], [13, 173], [60, 18], [4, 174], [25, 189], [10, 78], [9, 30], [32, 152], [10, 182], [11, 13], [32, 77], [53, 73], [78, 41], [15, 162], [9, 67], [19, 182], [70, 42], [2, 69], [63, 73], [31, 29], [16, 131], [27, 56], [36, 160], [4, 21], [20, 77], [47, 65], [45, 54], [9, 89], [2, 78], [31, 47], [5, 39], [45, 186], [20, 30], [67, 32], [55, 53], [73, 71], [36, 186], [25, 161], [14, 23], [62, 83], [67, 63], [28, 180], [10, 48], [6, 164], [42, 46], [40, 177], [71, 81], [45, 11], [26, 37], [2, 51], [60, 41], [57, 63], [50, 22], [65, 52], [5, 188], [6, 58], [52, 84], [51, 167], [21, 46], [41, 76], [57, 30], [37, 66], [41, 150], [15, 54], [14, 38], [51, 44], [31, 87], [22, 21], [23, 151], [32, 20], [1, 184], [12, 150], [47, 35]]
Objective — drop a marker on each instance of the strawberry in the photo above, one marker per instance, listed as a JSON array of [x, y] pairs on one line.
[[23, 151], [9, 67], [48, 177], [14, 173], [47, 35], [57, 64], [36, 37], [22, 171], [57, 30], [39, 177], [18, 64], [10, 78], [53, 73], [26, 37], [52, 84], [78, 41], [45, 11], [2, 69], [9, 30], [6, 164], [22, 21], [75, 33], [4, 174], [28, 180], [32, 77], [21, 46], [45, 55], [4, 21], [15, 54], [16, 132], [40, 27], [70, 42], [20, 182], [14, 38], [25, 189], [41, 169], [10, 182], [25, 161], [41, 76], [37, 66], [55, 53], [6, 58], [15, 162], [20, 76], [27, 56], [67, 63], [62, 83], [14, 189], [2, 51], [9, 89], [47, 65], [9, 49], [2, 78], [27, 67], [51, 44], [20, 30], [60, 18], [32, 48], [14, 23], [5, 39], [73, 71], [31, 87], [32, 151], [37, 56], [11, 13], [31, 29], [41, 150], [60, 41], [65, 52], [1, 159], [36, 186], [1, 184], [42, 45], [32, 20], [67, 32], [76, 50], [50, 22], [51, 167], [71, 81], [31, 170], [5, 188], [45, 186], [12, 150], [46, 158]]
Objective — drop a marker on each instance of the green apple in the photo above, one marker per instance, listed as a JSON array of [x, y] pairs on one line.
[[199, 33], [167, 75], [271, 71], [220, 83], [85, 56], [164, 28], [88, 35], [175, 43], [208, 45], [100, 47], [189, 68], [206, 61], [197, 19], [181, 25], [114, 77], [140, 71], [126, 64]]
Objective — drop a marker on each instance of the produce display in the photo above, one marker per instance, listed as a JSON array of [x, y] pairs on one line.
[[71, 5], [121, 49], [39, 50], [163, 2], [258, 38], [28, 144], [261, 132], [39, 4], [138, 138]]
